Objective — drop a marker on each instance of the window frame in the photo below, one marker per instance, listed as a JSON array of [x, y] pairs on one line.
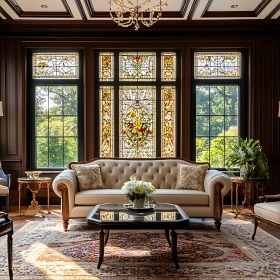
[[243, 95], [30, 106], [158, 83]]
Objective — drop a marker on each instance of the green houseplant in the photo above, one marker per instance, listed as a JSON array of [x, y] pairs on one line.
[[248, 156]]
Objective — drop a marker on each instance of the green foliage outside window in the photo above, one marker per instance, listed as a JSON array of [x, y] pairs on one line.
[[216, 122], [56, 126]]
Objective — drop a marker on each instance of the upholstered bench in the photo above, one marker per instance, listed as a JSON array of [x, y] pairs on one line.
[[268, 212]]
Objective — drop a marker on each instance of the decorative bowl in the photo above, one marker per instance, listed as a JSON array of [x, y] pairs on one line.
[[33, 174]]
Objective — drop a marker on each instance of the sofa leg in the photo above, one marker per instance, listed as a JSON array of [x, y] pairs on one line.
[[65, 225], [255, 229], [218, 225]]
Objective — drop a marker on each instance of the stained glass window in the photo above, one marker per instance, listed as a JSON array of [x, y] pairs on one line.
[[106, 121], [168, 124], [56, 125], [137, 66], [218, 104], [137, 121], [217, 65], [106, 66], [168, 66], [138, 107], [55, 65]]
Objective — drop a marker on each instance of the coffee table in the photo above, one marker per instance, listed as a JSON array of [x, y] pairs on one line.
[[168, 217]]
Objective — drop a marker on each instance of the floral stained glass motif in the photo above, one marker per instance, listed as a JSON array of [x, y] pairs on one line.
[[137, 66], [106, 216], [168, 66], [168, 124], [55, 65], [106, 121], [137, 121], [214, 65], [106, 66]]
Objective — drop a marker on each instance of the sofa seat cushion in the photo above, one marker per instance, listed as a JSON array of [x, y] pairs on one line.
[[180, 197], [269, 211]]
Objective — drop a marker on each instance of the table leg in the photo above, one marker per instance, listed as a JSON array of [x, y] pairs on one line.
[[231, 198], [174, 248], [236, 200], [167, 236], [101, 248], [106, 236], [10, 254], [19, 197], [48, 186]]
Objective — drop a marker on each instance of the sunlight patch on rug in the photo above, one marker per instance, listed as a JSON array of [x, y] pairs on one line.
[[42, 250]]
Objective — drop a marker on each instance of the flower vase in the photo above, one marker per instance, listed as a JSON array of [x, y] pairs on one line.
[[138, 203]]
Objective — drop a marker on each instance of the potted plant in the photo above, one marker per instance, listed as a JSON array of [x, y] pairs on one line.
[[248, 156]]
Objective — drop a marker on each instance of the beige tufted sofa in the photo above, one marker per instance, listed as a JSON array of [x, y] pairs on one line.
[[163, 175]]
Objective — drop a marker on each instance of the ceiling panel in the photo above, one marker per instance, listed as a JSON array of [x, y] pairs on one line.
[[35, 6], [242, 5]]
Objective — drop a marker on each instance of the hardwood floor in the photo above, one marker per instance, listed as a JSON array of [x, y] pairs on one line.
[[33, 215]]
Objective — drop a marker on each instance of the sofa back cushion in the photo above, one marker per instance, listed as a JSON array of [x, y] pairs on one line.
[[162, 173]]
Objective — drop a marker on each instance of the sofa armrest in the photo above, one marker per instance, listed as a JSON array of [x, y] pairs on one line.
[[65, 185], [214, 177], [217, 185]]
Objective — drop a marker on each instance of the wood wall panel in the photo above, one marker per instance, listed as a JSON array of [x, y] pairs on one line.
[[264, 93]]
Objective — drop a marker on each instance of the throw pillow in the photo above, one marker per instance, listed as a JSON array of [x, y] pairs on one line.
[[89, 177], [191, 177]]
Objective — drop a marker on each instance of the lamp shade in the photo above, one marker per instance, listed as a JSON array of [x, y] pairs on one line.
[[279, 110], [1, 109]]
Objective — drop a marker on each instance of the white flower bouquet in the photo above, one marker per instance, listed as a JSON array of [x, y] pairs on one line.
[[137, 189]]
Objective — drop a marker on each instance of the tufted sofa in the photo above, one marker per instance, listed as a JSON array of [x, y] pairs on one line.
[[162, 172]]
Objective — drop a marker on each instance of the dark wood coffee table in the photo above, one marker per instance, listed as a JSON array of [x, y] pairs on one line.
[[165, 216]]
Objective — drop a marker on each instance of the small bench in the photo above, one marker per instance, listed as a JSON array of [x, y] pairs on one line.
[[267, 212]]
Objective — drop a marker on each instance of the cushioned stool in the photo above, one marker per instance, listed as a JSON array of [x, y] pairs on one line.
[[268, 212]]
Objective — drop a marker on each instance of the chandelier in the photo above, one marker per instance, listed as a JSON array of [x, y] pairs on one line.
[[127, 13]]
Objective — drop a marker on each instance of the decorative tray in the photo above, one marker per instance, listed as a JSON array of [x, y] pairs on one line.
[[146, 208]]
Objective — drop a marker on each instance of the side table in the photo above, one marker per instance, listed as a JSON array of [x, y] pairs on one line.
[[41, 182], [248, 186]]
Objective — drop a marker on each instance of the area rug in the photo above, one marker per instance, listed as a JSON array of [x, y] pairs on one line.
[[42, 250]]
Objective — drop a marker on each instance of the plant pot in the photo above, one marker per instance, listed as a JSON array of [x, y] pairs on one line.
[[138, 203]]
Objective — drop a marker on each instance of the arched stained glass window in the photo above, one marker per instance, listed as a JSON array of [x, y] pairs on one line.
[[137, 104]]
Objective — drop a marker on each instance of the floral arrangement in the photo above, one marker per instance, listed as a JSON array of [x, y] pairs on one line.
[[248, 156], [137, 189]]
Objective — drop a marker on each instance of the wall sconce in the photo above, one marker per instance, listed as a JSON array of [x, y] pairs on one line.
[[1, 109], [279, 110]]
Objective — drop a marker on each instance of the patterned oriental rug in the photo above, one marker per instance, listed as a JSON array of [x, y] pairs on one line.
[[42, 250]]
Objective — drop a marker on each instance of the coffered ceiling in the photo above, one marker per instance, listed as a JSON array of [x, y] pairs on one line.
[[96, 12], [181, 10]]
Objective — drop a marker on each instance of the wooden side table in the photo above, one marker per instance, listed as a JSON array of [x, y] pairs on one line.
[[41, 182], [248, 186]]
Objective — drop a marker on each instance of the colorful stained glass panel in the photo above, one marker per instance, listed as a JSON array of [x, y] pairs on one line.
[[215, 65], [168, 123], [137, 121], [168, 66], [106, 112], [56, 65], [106, 216], [168, 216], [106, 66], [137, 66]]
